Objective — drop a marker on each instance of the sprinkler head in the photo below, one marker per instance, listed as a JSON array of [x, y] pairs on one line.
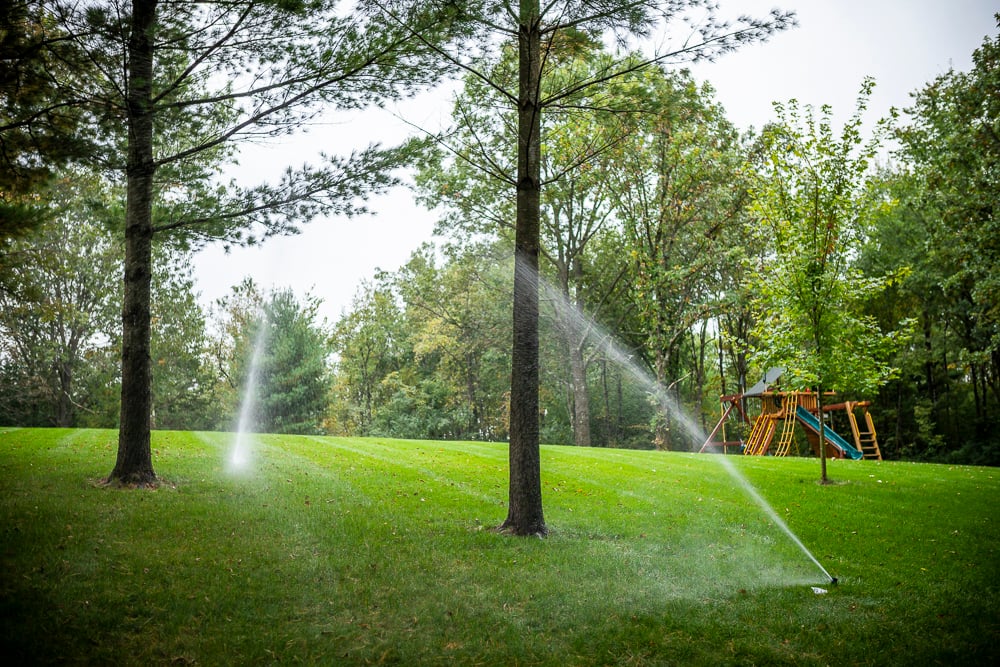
[[833, 581]]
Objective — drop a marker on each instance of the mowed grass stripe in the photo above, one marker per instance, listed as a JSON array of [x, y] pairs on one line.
[[341, 551]]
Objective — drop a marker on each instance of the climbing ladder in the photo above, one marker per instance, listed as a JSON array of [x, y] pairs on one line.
[[788, 426], [864, 434], [760, 435]]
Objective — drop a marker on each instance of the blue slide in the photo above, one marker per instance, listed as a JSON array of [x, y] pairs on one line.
[[810, 421]]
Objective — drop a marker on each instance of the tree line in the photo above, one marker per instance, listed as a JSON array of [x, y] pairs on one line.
[[698, 248], [596, 193]]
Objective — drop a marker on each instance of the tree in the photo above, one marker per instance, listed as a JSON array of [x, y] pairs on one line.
[[294, 372], [678, 185], [59, 319], [953, 144], [538, 33], [456, 317], [186, 82], [40, 130], [575, 205], [370, 345], [184, 381], [812, 195], [59, 310], [231, 321], [280, 335]]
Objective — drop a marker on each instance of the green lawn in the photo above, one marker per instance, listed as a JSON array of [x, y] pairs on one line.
[[370, 551]]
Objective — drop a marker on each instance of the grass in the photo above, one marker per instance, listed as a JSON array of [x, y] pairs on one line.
[[374, 551]]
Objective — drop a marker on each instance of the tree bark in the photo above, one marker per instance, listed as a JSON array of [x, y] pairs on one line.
[[524, 512], [824, 479], [134, 464], [64, 404], [663, 418], [581, 397]]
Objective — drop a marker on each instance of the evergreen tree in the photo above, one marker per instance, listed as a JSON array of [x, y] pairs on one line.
[[41, 129], [294, 370]]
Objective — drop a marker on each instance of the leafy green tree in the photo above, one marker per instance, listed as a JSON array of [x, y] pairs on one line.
[[370, 344], [457, 320], [915, 408], [60, 320], [231, 321], [813, 198], [678, 184], [60, 311], [184, 384], [423, 351], [952, 144]]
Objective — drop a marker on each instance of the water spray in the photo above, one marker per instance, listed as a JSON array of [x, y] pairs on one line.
[[240, 455], [583, 322]]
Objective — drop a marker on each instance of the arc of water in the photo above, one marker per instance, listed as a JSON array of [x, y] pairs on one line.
[[614, 351]]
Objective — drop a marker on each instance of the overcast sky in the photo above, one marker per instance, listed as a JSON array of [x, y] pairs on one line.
[[903, 44]]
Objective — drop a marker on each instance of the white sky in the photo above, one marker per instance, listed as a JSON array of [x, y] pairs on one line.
[[903, 44]]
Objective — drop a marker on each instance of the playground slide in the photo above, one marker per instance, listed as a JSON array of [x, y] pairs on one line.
[[810, 421]]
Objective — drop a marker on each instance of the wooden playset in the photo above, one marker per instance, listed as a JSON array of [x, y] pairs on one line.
[[773, 416]]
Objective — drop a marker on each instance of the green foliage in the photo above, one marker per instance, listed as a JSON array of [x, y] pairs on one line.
[[39, 131], [425, 352], [953, 144], [61, 316], [360, 551], [813, 200], [58, 315], [217, 85], [370, 344], [294, 368], [679, 185], [952, 153], [184, 381], [292, 374]]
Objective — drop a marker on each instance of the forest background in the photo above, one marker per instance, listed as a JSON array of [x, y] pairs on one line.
[[657, 238]]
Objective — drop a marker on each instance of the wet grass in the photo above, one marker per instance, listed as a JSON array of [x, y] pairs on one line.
[[368, 551]]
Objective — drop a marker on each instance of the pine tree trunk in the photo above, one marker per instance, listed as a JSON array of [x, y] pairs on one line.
[[134, 463], [524, 513]]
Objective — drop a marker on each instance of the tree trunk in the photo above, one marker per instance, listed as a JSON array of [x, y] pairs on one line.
[[606, 421], [661, 430], [524, 513], [701, 373], [581, 398], [822, 436], [64, 405], [134, 464]]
